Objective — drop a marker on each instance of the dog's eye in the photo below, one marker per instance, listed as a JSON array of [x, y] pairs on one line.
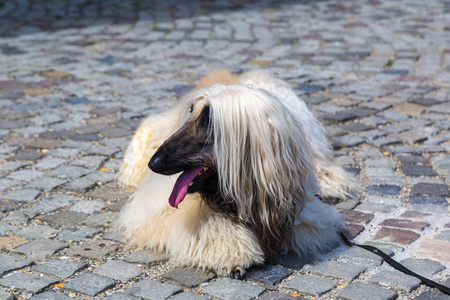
[[191, 108]]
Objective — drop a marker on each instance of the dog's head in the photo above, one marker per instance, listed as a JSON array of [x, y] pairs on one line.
[[244, 151]]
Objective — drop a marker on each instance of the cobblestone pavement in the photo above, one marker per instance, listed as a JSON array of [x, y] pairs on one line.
[[77, 76]]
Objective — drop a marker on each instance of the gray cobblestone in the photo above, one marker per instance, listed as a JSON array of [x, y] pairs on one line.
[[118, 270], [59, 268], [40, 248], [268, 274], [10, 263], [358, 290], [311, 285], [424, 267], [337, 269], [89, 284], [35, 232], [5, 296], [50, 296], [94, 249], [396, 279], [27, 282], [143, 257], [229, 289], [150, 289], [22, 195], [77, 234]]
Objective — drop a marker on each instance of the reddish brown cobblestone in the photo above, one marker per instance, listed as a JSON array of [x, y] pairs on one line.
[[394, 235], [354, 216], [352, 230], [414, 214], [405, 224]]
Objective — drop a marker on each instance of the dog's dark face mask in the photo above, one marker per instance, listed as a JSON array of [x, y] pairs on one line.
[[190, 151]]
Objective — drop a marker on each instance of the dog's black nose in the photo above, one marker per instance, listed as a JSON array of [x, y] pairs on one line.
[[156, 164]]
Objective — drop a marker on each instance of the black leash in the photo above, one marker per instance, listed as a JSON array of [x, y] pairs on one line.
[[397, 265]]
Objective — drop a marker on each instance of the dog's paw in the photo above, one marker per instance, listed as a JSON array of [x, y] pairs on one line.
[[237, 273]]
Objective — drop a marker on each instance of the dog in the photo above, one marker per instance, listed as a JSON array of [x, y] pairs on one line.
[[236, 176]]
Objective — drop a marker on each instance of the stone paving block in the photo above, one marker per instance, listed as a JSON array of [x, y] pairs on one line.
[[29, 155], [118, 270], [352, 230], [7, 183], [90, 162], [444, 235], [109, 192], [188, 295], [22, 195], [150, 289], [11, 242], [430, 189], [362, 254], [69, 172], [105, 219], [338, 269], [188, 277], [424, 267], [44, 144], [35, 232], [87, 206], [267, 274], [389, 201], [28, 282], [60, 268], [434, 249], [405, 224], [40, 248], [310, 285], [348, 141], [50, 296], [383, 189], [12, 166], [412, 159], [65, 218], [77, 234], [5, 206], [426, 199], [414, 214], [121, 296], [89, 284], [46, 183], [394, 235], [94, 249], [395, 279], [5, 296], [143, 257], [10, 263], [359, 290], [279, 296], [428, 295], [229, 289], [373, 207], [25, 175], [418, 170], [354, 216]]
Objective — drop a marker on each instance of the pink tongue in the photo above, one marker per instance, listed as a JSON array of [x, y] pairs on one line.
[[180, 188]]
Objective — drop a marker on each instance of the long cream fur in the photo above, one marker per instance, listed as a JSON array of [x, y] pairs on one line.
[[268, 146]]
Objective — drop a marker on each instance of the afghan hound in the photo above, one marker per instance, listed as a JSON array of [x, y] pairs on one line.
[[255, 165]]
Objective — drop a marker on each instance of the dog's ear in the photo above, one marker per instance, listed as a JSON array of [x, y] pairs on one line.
[[263, 162]]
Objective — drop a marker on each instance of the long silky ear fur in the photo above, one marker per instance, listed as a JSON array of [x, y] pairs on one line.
[[263, 162]]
